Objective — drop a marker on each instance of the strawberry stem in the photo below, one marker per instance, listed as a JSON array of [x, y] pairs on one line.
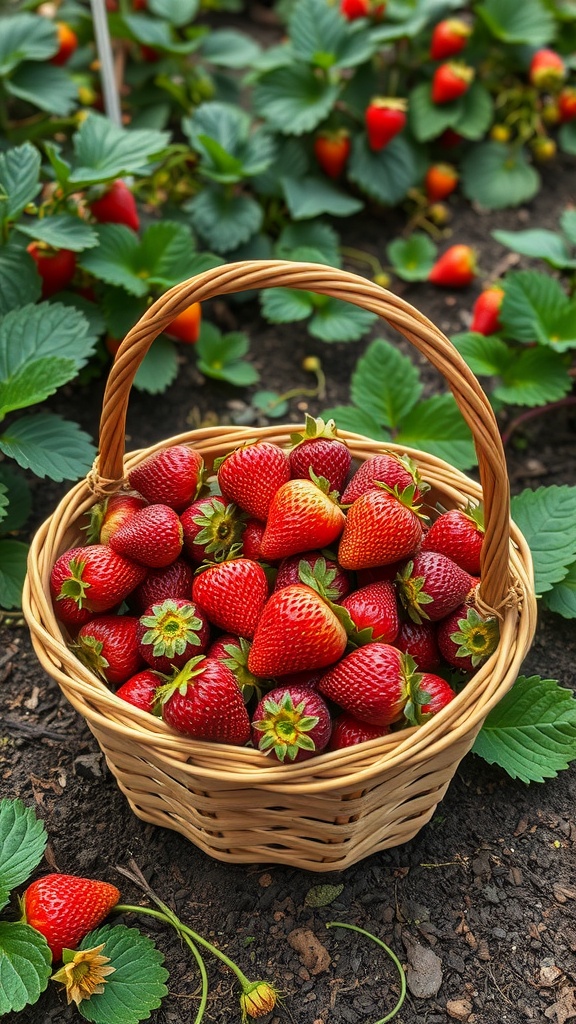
[[391, 954]]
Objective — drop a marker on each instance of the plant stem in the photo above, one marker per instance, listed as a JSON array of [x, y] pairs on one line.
[[391, 954], [533, 414]]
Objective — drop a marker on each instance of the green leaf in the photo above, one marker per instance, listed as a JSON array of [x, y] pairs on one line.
[[412, 258], [23, 840], [159, 35], [311, 197], [534, 377], [311, 234], [496, 176], [358, 421], [137, 985], [531, 732], [283, 305], [321, 37], [487, 356], [547, 518], [336, 320], [385, 384], [25, 965], [49, 446], [19, 496], [567, 138], [46, 86], [568, 224], [19, 179], [61, 230], [4, 502], [560, 331], [531, 305], [33, 384], [167, 254], [229, 48], [428, 120], [177, 12], [25, 37], [270, 404], [436, 426], [225, 221], [387, 175], [159, 368], [20, 282], [476, 113], [540, 243], [104, 150], [323, 895], [220, 132], [221, 356], [46, 330], [529, 22], [291, 161], [121, 311], [294, 99], [115, 259], [562, 598]]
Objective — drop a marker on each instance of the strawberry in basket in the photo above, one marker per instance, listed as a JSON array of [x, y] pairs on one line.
[[292, 723], [317, 448]]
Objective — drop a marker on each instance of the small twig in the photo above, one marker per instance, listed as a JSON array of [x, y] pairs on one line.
[[36, 731]]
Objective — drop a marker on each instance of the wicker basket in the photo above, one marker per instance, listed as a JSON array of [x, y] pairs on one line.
[[333, 810]]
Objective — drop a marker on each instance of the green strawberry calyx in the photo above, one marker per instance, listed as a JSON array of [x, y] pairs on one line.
[[324, 485], [96, 518], [220, 528], [477, 637], [319, 577], [237, 662], [89, 650], [171, 628], [476, 515], [416, 697], [405, 496], [314, 427], [285, 728], [411, 593], [74, 587], [180, 682]]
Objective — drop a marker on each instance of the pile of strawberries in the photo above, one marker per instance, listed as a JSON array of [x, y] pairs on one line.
[[292, 601]]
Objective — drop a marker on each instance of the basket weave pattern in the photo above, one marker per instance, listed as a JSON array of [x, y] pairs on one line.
[[234, 803]]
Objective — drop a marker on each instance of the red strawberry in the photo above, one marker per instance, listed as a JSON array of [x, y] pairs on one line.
[[251, 475], [419, 640], [449, 37], [64, 908], [431, 693], [116, 205], [371, 683], [440, 181], [55, 266], [212, 528], [108, 515], [381, 527], [291, 723], [332, 150], [384, 117], [347, 731], [172, 476], [393, 470], [352, 9], [204, 701], [316, 571], [301, 517], [318, 449], [379, 573], [186, 326], [432, 585], [67, 43], [152, 536], [466, 639], [547, 70], [140, 690], [567, 104], [297, 630], [373, 608], [87, 581], [233, 595], [458, 535], [456, 268], [252, 539], [450, 81], [171, 632], [108, 646], [486, 309], [233, 652], [174, 580]]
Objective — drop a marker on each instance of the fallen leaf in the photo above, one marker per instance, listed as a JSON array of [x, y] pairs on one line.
[[313, 954], [564, 1008], [459, 1009], [322, 895]]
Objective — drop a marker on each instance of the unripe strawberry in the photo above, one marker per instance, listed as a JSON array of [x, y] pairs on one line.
[[567, 104], [384, 117], [543, 148], [67, 43], [456, 268], [332, 150], [449, 37], [450, 81], [440, 181], [485, 311], [186, 326], [547, 70], [500, 133]]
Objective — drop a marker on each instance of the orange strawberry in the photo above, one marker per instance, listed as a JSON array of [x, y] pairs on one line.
[[172, 476], [291, 723], [251, 475], [64, 908], [456, 268], [67, 43], [381, 527], [204, 701], [332, 150], [152, 536], [370, 683], [302, 516], [186, 326], [440, 181], [297, 630], [547, 70], [233, 594]]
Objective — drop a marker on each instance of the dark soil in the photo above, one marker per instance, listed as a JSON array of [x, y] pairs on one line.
[[481, 904]]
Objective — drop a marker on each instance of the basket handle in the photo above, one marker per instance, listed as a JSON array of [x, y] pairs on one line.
[[340, 284]]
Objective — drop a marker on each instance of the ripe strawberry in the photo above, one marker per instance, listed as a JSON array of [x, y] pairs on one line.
[[233, 595], [316, 571], [440, 181], [374, 609], [212, 528], [332, 150], [393, 470], [384, 117], [87, 581], [204, 701], [432, 585], [174, 580], [450, 81], [152, 536], [140, 690], [291, 723], [485, 311], [347, 731], [172, 476], [419, 640], [456, 268], [108, 515], [567, 104], [64, 908], [171, 632], [55, 266], [352, 9], [297, 630], [302, 516], [317, 448], [251, 475], [67, 43], [547, 70], [458, 535], [381, 527], [370, 683], [251, 543], [449, 37], [428, 694], [108, 646], [186, 326], [466, 639], [233, 652], [116, 205]]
